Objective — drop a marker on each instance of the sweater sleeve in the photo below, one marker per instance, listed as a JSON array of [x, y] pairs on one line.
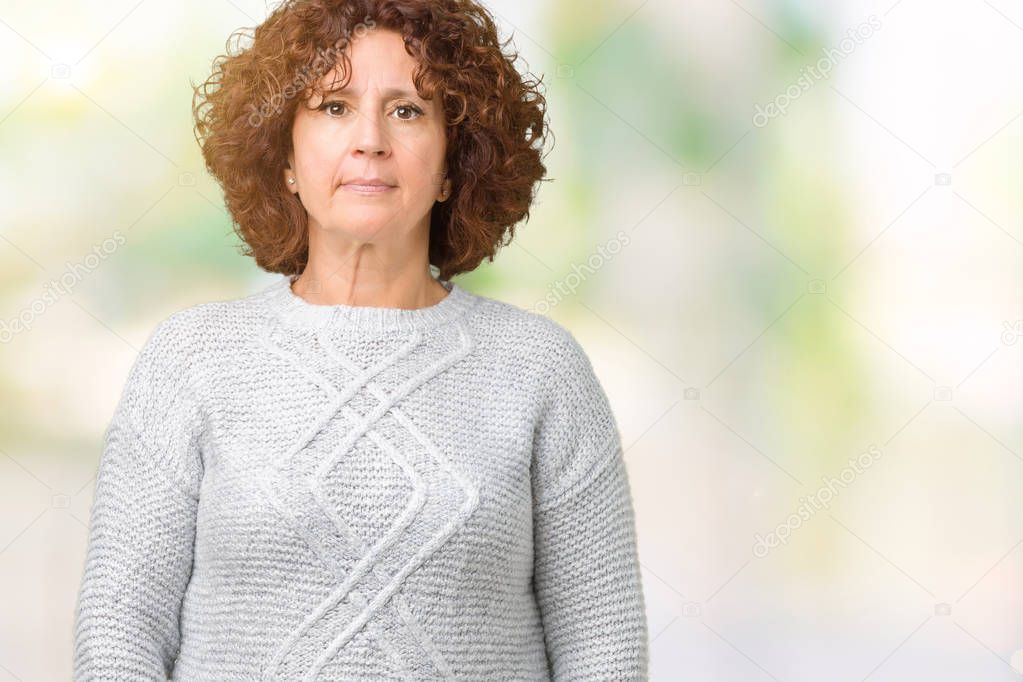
[[586, 573], [142, 521]]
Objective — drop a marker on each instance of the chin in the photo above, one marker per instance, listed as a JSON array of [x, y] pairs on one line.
[[364, 225]]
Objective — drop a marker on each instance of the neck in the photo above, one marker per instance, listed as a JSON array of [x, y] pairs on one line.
[[406, 289], [385, 273], [292, 310]]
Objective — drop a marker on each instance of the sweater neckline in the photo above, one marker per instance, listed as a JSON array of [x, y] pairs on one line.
[[294, 311]]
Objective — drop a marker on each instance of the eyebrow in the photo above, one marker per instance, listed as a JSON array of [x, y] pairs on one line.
[[387, 93]]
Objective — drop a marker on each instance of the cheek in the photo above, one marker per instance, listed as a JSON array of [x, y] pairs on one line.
[[315, 155], [316, 165], [425, 143], [420, 174], [423, 160]]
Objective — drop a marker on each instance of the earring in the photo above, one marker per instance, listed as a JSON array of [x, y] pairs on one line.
[[291, 181]]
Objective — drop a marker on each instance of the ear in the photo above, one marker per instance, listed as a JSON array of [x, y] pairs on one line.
[[445, 186], [288, 174]]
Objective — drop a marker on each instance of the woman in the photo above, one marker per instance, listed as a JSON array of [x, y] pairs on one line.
[[364, 471]]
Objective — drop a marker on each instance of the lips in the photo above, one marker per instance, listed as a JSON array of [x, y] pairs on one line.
[[368, 182], [368, 189]]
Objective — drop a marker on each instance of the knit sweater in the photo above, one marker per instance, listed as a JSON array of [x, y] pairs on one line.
[[296, 491]]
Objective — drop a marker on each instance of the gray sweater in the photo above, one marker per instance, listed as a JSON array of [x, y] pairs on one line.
[[291, 491]]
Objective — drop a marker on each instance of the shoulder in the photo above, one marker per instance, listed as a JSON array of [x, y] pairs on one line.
[[178, 338], [549, 345], [187, 348], [575, 432], [198, 331], [548, 361], [171, 357]]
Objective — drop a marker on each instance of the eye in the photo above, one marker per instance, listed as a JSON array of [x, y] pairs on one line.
[[416, 112], [335, 108], [327, 106]]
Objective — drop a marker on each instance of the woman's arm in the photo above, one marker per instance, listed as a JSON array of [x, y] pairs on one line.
[[586, 570], [142, 522]]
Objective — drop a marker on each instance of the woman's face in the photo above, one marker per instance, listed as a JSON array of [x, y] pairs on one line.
[[377, 127]]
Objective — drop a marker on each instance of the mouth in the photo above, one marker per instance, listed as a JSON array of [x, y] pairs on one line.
[[367, 185], [367, 189]]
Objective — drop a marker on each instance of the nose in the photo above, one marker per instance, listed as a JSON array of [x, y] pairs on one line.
[[370, 138]]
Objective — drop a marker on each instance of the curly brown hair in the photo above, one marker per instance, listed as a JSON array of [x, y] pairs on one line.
[[496, 123]]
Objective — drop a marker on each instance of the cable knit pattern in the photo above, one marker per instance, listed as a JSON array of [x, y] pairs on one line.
[[291, 491]]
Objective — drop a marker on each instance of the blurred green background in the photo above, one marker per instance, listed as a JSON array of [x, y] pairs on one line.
[[787, 233]]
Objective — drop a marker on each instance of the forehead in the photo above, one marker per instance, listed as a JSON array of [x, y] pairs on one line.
[[378, 61]]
